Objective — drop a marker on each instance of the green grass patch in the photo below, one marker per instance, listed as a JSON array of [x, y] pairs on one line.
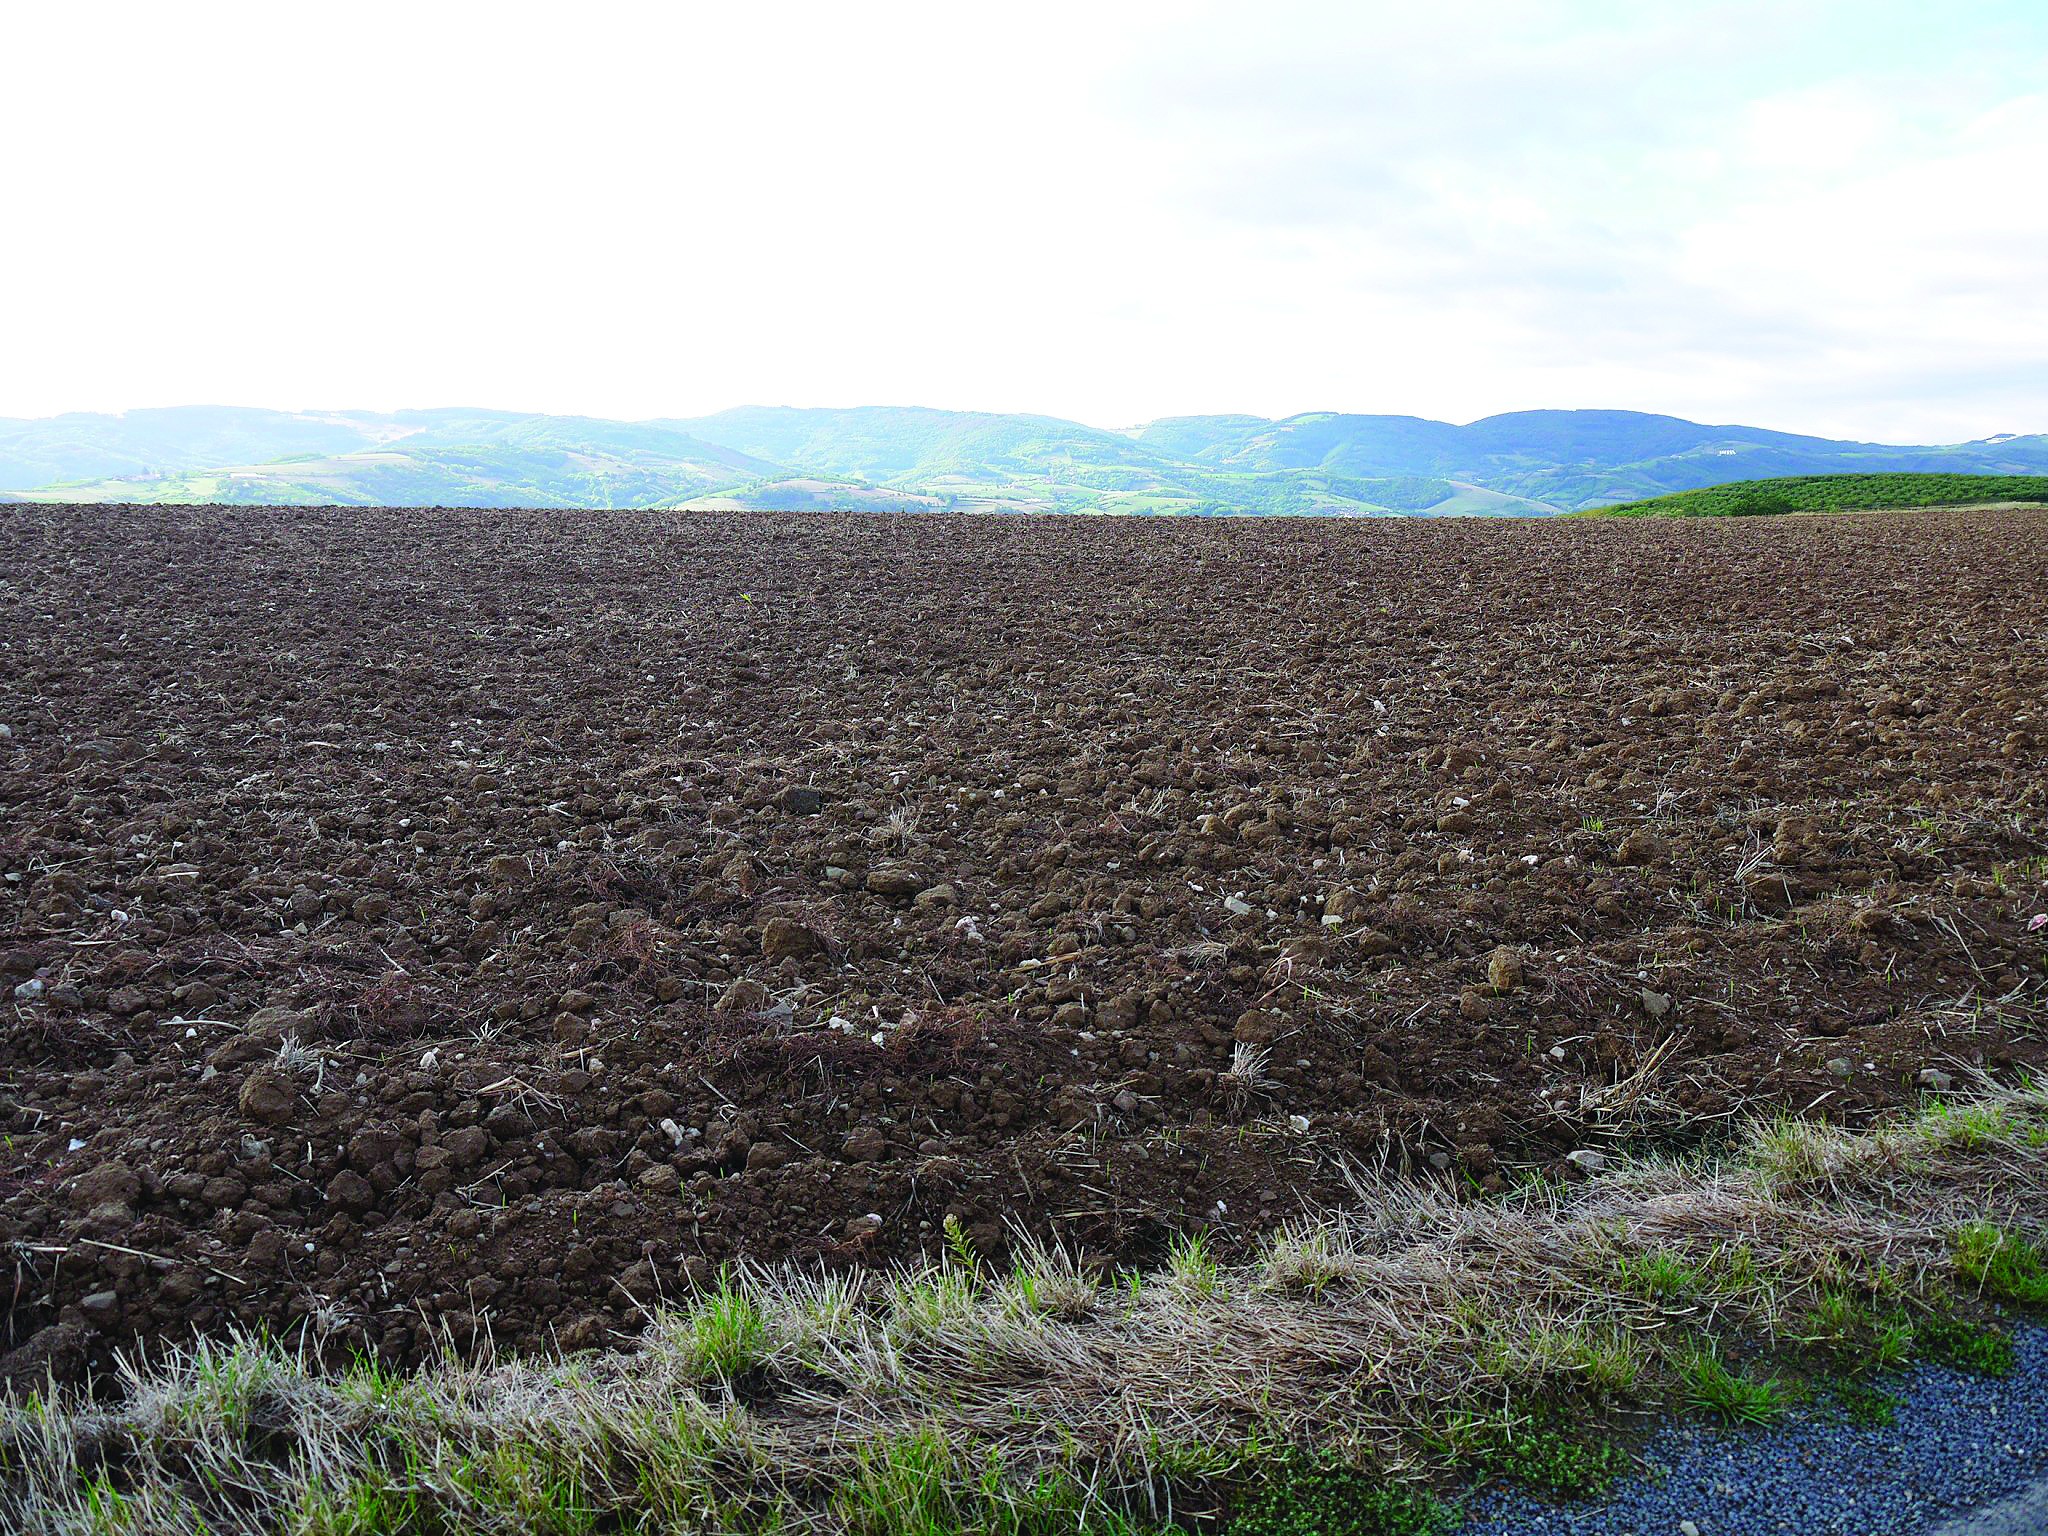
[[1536, 1449], [1662, 1277], [921, 1484], [1864, 1405], [1832, 493], [1855, 1335], [1965, 1345], [2002, 1264], [1299, 1494]]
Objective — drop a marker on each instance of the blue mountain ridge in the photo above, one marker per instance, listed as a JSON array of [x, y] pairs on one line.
[[915, 457]]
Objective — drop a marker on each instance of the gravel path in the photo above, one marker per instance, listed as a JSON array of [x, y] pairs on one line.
[[1960, 1443]]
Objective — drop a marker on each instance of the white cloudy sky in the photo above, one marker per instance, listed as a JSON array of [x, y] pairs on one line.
[[1822, 216]]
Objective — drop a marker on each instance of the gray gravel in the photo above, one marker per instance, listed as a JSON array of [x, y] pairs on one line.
[[1959, 1443]]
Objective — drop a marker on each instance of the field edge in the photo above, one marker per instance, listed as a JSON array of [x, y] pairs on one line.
[[1367, 1360]]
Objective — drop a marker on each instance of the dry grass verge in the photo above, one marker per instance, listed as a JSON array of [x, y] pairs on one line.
[[1408, 1336]]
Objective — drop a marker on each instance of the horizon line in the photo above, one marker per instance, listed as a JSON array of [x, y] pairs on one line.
[[1121, 428]]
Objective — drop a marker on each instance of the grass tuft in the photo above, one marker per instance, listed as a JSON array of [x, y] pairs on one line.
[[725, 1335], [1730, 1396], [1192, 1269], [1308, 1256]]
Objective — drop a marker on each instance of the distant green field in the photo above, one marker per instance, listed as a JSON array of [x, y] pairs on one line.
[[1832, 493]]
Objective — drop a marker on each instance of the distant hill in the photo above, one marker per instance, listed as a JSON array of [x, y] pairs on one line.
[[1835, 493], [408, 458], [144, 444], [891, 457]]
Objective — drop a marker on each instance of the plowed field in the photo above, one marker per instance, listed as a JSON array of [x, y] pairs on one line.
[[435, 924]]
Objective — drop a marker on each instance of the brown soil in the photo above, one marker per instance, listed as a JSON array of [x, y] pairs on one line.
[[433, 924]]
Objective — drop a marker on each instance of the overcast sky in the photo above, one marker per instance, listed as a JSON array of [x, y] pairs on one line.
[[1824, 217]]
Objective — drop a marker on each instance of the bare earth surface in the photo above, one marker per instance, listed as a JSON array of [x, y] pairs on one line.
[[423, 923]]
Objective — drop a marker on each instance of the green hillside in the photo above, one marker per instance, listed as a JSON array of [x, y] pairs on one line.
[[901, 444], [1834, 493]]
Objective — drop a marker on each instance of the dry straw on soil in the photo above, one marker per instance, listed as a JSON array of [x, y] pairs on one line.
[[1398, 1334]]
